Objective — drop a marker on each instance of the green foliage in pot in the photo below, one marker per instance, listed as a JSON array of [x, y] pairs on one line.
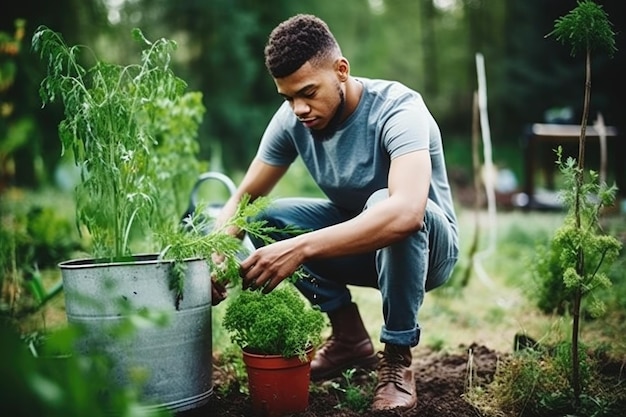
[[131, 129], [192, 240], [278, 323]]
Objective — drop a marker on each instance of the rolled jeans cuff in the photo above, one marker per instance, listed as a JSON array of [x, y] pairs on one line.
[[402, 337]]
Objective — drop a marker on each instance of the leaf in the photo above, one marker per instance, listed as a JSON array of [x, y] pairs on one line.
[[586, 27]]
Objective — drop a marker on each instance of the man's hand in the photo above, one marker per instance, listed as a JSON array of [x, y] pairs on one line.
[[218, 292], [268, 266]]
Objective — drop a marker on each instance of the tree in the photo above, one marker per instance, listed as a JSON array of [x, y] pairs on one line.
[[586, 28], [36, 160]]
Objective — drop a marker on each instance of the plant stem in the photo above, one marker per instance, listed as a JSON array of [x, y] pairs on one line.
[[580, 264], [575, 347], [585, 115]]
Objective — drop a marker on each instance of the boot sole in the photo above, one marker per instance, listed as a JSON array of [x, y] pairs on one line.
[[399, 408], [367, 363]]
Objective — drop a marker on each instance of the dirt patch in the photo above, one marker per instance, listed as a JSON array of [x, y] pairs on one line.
[[441, 380]]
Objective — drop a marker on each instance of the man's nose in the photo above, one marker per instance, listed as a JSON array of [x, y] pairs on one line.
[[300, 107]]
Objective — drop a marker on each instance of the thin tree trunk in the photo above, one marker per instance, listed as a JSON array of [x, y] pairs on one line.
[[575, 352], [585, 115], [580, 262]]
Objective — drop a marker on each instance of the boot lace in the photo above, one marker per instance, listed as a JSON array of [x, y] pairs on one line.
[[390, 370], [328, 345]]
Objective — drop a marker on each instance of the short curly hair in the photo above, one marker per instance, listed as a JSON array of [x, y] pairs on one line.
[[297, 40]]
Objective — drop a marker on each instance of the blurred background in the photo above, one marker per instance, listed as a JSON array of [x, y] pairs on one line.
[[429, 45]]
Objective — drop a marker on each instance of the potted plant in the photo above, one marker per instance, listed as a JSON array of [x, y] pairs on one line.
[[277, 333], [132, 131]]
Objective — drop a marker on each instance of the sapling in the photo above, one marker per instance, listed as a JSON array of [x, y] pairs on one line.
[[191, 239], [584, 249]]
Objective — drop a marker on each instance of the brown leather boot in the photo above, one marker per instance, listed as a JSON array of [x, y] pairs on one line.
[[349, 346], [396, 382]]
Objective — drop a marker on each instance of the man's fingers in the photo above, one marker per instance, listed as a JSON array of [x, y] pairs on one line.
[[270, 285], [217, 296], [248, 278], [218, 258]]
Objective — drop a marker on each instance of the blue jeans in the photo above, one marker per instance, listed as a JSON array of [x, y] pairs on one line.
[[403, 272]]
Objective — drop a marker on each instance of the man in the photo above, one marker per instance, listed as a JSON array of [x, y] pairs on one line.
[[388, 223]]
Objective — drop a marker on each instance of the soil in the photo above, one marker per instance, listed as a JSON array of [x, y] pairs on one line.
[[441, 380]]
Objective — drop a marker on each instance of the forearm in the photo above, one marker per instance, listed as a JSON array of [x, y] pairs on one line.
[[377, 227], [226, 213]]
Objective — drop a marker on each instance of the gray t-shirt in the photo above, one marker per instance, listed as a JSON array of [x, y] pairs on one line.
[[390, 120]]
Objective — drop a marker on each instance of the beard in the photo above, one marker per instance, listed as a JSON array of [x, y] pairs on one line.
[[329, 130]]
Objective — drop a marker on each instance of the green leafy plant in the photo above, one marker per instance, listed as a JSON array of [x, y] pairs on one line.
[[564, 379], [585, 252], [196, 238], [132, 130], [354, 395], [119, 124], [54, 382], [584, 249], [279, 323], [33, 237]]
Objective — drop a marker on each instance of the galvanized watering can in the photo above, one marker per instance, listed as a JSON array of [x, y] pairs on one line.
[[176, 359]]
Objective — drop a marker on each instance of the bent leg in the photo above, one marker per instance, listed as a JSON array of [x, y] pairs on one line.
[[411, 267]]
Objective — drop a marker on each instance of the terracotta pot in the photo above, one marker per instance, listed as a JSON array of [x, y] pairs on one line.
[[278, 385]]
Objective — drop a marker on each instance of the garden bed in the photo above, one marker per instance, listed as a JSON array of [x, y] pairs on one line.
[[441, 380]]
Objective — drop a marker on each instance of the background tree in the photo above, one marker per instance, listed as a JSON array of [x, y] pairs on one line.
[[80, 21], [427, 44]]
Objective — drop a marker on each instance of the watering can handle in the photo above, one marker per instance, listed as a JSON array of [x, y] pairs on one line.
[[212, 175], [224, 179]]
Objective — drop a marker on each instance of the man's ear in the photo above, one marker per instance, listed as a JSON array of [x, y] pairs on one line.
[[342, 68]]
